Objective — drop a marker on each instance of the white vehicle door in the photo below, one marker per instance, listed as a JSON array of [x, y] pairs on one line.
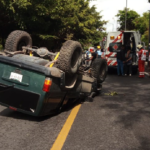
[[137, 38], [122, 38]]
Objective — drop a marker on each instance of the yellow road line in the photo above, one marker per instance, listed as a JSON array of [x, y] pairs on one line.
[[59, 142]]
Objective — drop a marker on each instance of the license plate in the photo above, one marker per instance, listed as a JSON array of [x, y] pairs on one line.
[[16, 76]]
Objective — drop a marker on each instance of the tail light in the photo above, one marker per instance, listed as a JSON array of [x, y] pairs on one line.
[[12, 108], [47, 84]]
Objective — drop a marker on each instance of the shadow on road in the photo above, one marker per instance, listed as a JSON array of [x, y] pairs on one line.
[[18, 115]]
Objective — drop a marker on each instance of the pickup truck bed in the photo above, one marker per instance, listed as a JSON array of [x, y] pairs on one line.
[[38, 82], [24, 93]]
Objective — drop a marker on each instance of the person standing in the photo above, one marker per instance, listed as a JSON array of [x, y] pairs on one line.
[[149, 59], [91, 59], [149, 53], [128, 63], [99, 53], [120, 59], [93, 53], [141, 60], [87, 57]]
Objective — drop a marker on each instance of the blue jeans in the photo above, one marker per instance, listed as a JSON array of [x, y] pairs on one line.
[[120, 67]]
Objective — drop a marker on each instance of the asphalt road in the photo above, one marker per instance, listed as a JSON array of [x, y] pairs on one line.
[[119, 122]]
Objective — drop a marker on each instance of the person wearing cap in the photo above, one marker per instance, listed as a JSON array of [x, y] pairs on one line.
[[87, 57], [99, 53], [94, 55], [141, 60], [91, 59]]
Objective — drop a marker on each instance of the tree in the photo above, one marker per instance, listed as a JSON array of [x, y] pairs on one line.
[[51, 22], [7, 23], [131, 16], [142, 24]]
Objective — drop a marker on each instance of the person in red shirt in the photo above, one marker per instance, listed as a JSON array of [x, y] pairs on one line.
[[141, 60]]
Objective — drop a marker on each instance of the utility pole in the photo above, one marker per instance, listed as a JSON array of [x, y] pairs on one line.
[[126, 16], [149, 28], [112, 26]]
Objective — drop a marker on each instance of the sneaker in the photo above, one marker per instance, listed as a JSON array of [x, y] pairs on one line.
[[130, 75], [125, 75]]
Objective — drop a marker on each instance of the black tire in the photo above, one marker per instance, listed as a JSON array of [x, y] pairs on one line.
[[99, 69], [17, 39], [70, 57]]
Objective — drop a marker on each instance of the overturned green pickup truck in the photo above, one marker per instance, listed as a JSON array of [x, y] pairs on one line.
[[38, 82]]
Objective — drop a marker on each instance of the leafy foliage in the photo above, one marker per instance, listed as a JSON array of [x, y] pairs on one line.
[[51, 22], [135, 22], [142, 24], [131, 16]]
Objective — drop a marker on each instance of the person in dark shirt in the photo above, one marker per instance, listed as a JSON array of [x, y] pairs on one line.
[[94, 55], [128, 61], [128, 46], [120, 59], [91, 59]]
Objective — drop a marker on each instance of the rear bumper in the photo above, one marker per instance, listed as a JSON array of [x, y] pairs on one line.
[[27, 96], [30, 103], [21, 100]]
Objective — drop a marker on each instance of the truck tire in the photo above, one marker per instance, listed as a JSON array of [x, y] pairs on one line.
[[99, 69], [70, 57], [17, 39]]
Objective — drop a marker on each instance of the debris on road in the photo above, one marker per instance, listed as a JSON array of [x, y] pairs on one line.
[[111, 93]]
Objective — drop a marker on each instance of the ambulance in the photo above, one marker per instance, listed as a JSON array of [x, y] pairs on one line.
[[113, 42]]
